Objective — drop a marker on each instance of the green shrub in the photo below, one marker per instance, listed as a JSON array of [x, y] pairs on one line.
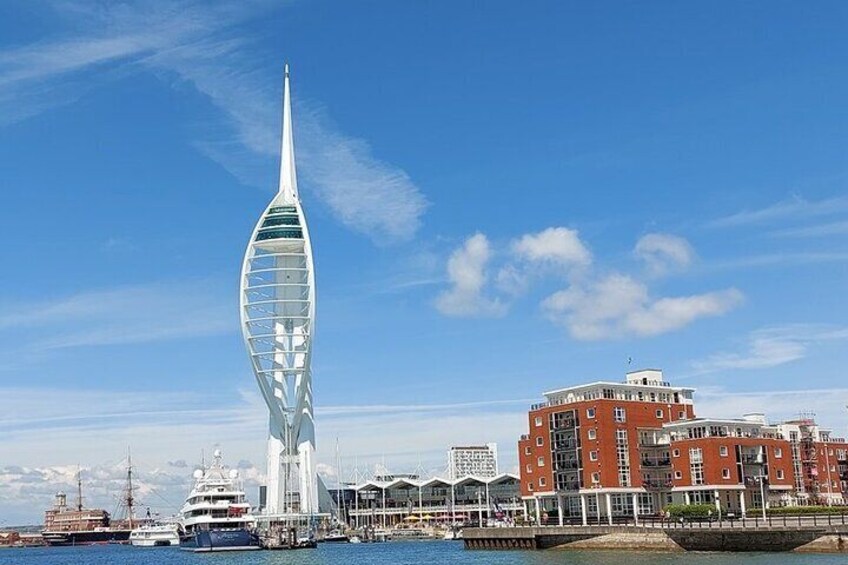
[[690, 510], [803, 510]]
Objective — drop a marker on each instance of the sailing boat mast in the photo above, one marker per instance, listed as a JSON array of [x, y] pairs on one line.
[[339, 499]]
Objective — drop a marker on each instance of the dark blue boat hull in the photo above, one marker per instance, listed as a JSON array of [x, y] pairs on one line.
[[220, 540]]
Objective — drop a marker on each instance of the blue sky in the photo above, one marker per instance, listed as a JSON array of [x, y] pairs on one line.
[[503, 198]]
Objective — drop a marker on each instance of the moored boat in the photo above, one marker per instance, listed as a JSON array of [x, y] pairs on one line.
[[155, 535], [216, 515]]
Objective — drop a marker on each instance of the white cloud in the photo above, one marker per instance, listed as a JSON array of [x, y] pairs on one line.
[[663, 253], [467, 275], [618, 305], [771, 347], [558, 246], [558, 251], [201, 45], [792, 209]]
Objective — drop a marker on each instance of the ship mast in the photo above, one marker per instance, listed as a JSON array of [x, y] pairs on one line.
[[129, 494], [79, 487]]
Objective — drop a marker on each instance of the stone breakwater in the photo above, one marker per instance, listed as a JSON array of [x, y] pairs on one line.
[[821, 539]]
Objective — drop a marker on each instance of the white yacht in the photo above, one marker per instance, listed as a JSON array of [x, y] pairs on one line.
[[216, 515], [155, 535]]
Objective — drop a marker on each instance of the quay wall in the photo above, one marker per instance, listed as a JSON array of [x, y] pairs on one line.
[[634, 538]]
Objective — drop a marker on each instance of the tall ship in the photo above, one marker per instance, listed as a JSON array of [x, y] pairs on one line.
[[77, 525], [216, 514]]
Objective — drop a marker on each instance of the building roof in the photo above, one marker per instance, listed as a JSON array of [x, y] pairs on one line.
[[436, 481]]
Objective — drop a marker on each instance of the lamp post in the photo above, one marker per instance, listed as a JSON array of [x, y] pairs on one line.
[[596, 487], [762, 479]]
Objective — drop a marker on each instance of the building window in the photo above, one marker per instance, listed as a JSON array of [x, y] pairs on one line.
[[540, 462], [780, 474], [681, 415], [530, 487], [778, 453], [659, 414], [596, 477], [542, 481], [696, 465], [593, 456], [538, 421], [678, 475], [619, 414], [722, 450], [592, 433], [590, 412], [528, 468], [725, 473], [526, 450], [676, 453], [623, 457], [540, 441]]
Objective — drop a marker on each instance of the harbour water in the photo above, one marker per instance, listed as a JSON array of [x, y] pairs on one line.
[[392, 553]]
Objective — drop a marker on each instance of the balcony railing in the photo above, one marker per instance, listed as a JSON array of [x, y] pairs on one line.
[[653, 485], [566, 445], [567, 465], [565, 425], [568, 486], [656, 462]]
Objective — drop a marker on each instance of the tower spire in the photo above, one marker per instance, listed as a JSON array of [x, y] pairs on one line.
[[288, 176]]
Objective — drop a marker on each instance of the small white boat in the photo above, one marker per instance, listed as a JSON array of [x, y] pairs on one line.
[[453, 534], [155, 535], [355, 539]]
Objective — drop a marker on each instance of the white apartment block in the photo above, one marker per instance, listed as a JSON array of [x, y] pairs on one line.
[[477, 460]]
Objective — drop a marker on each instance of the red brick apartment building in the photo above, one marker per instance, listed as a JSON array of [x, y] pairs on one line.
[[605, 450]]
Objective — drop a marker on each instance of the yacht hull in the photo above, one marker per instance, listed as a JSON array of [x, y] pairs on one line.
[[220, 540]]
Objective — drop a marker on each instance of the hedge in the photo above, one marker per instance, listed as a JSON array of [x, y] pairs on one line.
[[690, 510], [803, 510]]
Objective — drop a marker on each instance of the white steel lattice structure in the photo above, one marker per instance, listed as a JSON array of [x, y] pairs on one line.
[[277, 319]]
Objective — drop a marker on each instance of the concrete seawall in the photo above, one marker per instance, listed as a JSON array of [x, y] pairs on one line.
[[823, 539]]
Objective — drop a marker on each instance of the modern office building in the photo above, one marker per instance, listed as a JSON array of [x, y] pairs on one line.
[[277, 307], [477, 460], [608, 450]]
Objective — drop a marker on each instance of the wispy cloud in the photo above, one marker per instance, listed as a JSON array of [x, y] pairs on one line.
[[203, 44], [58, 425], [777, 405], [772, 347], [777, 260], [820, 230], [130, 314], [794, 208]]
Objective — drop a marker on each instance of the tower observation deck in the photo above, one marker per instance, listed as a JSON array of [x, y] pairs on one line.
[[277, 308]]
